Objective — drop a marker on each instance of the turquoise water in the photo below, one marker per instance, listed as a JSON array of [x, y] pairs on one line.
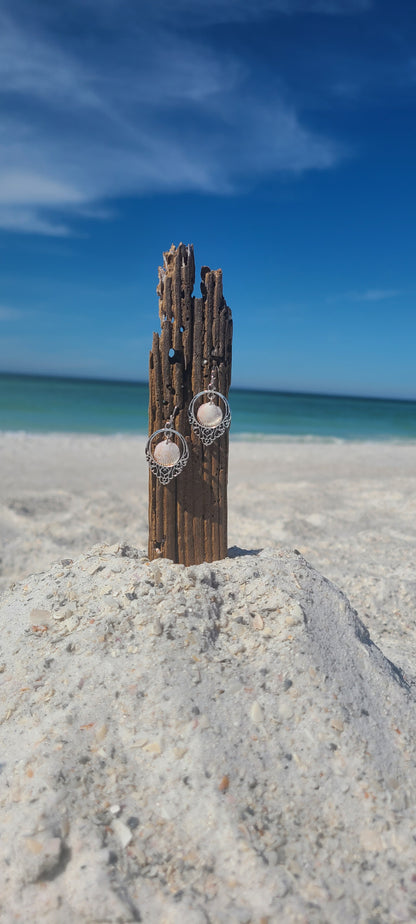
[[46, 404]]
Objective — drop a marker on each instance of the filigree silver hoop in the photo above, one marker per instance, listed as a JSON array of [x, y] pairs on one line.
[[166, 459], [210, 420]]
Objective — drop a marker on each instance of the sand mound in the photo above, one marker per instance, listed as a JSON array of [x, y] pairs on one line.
[[218, 743]]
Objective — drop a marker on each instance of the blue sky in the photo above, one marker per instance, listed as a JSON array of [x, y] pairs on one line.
[[279, 137]]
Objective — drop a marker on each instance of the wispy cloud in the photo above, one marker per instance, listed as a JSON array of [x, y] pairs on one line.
[[20, 188], [103, 102], [31, 221], [376, 295], [368, 295]]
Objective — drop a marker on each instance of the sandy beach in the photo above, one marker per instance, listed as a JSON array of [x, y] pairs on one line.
[[228, 743], [350, 508]]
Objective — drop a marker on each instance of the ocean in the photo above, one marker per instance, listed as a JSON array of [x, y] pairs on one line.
[[43, 404]]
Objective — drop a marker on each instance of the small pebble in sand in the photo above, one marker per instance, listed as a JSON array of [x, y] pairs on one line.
[[257, 621], [371, 840], [40, 617], [61, 614], [101, 733], [122, 832], [256, 713]]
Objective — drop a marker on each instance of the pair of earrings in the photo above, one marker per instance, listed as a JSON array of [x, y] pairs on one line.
[[167, 457]]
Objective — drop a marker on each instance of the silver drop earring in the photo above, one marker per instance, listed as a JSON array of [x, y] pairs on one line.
[[165, 457], [210, 420]]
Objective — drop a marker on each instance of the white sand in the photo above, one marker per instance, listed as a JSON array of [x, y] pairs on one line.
[[218, 744], [350, 508]]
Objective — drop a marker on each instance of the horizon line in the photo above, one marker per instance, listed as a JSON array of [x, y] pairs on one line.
[[260, 390]]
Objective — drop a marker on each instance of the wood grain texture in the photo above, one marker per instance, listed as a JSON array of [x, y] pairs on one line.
[[188, 517]]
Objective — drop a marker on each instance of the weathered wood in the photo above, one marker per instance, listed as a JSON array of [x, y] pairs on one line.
[[188, 517], [197, 447]]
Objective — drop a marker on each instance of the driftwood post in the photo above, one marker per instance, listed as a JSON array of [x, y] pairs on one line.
[[188, 516]]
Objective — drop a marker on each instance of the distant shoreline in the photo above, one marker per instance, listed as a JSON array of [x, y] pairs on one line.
[[46, 404], [287, 393]]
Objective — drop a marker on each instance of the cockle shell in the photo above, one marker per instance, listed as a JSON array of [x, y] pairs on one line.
[[166, 453], [209, 415]]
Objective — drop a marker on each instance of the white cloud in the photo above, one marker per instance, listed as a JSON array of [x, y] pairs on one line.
[[28, 62], [28, 221], [127, 110], [18, 187]]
